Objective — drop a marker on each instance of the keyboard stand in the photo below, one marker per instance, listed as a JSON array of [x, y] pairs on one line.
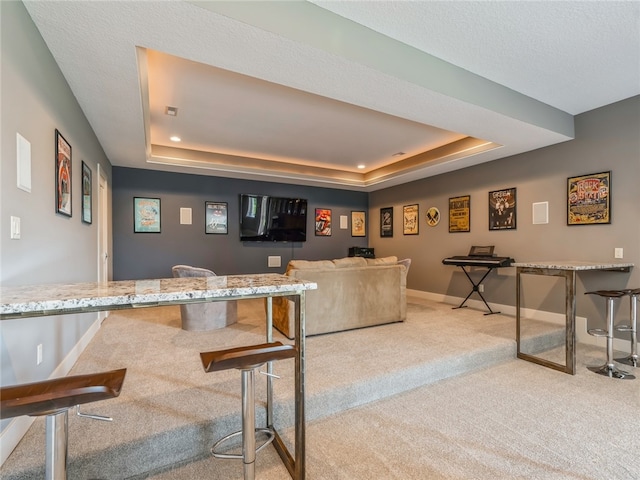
[[476, 289]]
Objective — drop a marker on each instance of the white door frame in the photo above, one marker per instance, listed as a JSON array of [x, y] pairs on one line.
[[103, 231]]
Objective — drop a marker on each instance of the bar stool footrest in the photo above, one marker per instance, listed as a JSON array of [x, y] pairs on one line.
[[216, 446], [598, 332], [624, 328]]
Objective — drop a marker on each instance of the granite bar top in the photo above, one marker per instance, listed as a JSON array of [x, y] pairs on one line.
[[55, 299], [575, 265]]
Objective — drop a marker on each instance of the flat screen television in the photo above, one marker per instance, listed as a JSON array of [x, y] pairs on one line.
[[264, 218]]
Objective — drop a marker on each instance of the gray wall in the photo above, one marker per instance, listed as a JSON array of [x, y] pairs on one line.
[[151, 255], [35, 101], [606, 139]]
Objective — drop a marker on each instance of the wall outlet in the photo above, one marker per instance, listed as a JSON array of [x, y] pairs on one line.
[[274, 261], [481, 288], [39, 354], [618, 253]]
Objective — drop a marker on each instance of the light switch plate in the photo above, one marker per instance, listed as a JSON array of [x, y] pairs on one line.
[[15, 228], [274, 261]]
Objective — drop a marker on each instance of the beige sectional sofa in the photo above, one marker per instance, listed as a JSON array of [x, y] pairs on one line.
[[352, 292]]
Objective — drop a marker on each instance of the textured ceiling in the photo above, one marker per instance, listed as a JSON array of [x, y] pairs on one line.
[[303, 92]]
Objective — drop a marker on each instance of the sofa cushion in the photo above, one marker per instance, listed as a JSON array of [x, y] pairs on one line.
[[309, 264], [382, 261], [349, 262], [180, 271], [406, 262]]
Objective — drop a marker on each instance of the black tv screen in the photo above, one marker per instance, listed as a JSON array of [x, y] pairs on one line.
[[264, 218]]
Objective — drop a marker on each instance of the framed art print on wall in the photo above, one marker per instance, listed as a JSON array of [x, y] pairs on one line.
[[358, 224], [502, 209], [432, 216], [460, 214], [215, 214], [386, 222], [63, 175], [589, 199], [323, 222], [146, 215], [86, 193], [410, 219]]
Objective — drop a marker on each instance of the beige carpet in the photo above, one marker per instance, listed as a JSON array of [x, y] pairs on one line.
[[378, 405]]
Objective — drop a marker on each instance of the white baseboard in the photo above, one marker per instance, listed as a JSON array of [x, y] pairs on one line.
[[582, 336], [17, 428]]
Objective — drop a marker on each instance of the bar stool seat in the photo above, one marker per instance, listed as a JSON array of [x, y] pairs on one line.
[[609, 369], [53, 399], [246, 359], [632, 328]]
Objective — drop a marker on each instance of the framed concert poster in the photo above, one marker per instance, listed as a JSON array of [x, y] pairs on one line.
[[86, 193], [146, 215], [63, 175], [358, 224], [215, 217], [410, 219], [589, 199], [323, 222], [386, 222], [459, 214], [502, 209]]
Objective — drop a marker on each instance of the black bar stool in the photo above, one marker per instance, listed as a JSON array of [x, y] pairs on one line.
[[54, 398], [247, 360], [609, 369], [632, 328]]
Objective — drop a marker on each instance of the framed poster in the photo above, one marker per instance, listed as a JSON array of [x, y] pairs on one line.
[[215, 217], [386, 222], [589, 199], [63, 175], [502, 209], [460, 214], [358, 224], [86, 193], [323, 222], [146, 215], [410, 219]]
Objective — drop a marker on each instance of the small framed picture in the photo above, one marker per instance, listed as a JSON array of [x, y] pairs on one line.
[[215, 215], [386, 222], [146, 215], [589, 199], [63, 175], [460, 214], [502, 209], [432, 216], [358, 224], [323, 222], [86, 193], [410, 219]]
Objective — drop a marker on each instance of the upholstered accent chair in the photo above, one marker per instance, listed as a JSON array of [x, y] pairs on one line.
[[207, 315]]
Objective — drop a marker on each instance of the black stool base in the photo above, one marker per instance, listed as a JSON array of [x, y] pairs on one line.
[[631, 360], [612, 371]]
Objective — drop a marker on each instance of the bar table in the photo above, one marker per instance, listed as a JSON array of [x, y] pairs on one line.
[[567, 270], [59, 299]]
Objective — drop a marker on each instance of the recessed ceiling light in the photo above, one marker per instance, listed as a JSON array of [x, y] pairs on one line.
[[175, 138], [361, 166], [171, 111]]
